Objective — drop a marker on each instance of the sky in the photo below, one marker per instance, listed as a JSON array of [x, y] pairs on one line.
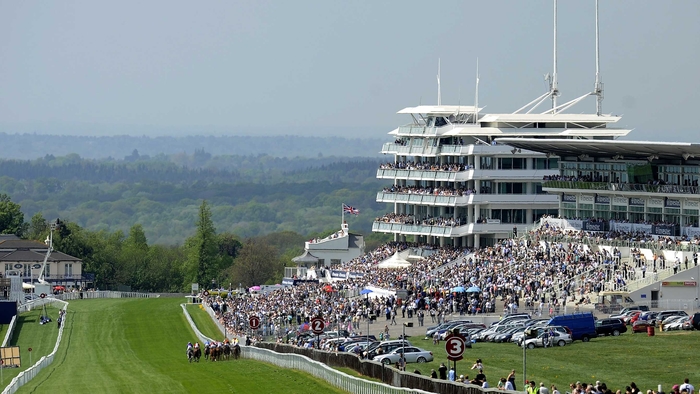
[[341, 68]]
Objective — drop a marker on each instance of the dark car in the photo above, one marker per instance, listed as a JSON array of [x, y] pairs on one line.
[[695, 320], [612, 327]]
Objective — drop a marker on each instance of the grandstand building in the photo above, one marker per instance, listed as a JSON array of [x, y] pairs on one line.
[[628, 186], [449, 183]]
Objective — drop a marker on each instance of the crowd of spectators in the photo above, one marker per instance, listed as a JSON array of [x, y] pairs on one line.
[[425, 166], [403, 218], [437, 191]]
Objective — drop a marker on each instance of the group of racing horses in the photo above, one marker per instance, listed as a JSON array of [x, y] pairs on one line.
[[214, 351]]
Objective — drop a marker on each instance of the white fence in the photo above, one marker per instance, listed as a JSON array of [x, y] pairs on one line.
[[91, 295], [28, 374], [10, 331]]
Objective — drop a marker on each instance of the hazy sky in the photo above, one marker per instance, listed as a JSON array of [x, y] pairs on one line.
[[334, 67]]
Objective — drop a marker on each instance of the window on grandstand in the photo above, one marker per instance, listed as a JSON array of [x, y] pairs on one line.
[[654, 217], [603, 215], [672, 219], [68, 269], [653, 210], [511, 188], [543, 163], [673, 211], [512, 163], [618, 215], [486, 163], [538, 189], [538, 213], [691, 212], [636, 217], [509, 215], [618, 208], [586, 213], [335, 262], [569, 213], [602, 208], [321, 262]]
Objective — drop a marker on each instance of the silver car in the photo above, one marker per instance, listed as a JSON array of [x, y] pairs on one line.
[[412, 354], [553, 339]]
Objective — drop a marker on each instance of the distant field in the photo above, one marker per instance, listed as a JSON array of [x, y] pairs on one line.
[[138, 346]]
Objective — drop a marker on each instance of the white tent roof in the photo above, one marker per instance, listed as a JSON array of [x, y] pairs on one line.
[[395, 261], [27, 286]]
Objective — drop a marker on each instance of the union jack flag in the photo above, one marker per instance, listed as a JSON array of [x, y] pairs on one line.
[[352, 210]]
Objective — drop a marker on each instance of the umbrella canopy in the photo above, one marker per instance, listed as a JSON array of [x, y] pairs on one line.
[[474, 289], [458, 289], [365, 291]]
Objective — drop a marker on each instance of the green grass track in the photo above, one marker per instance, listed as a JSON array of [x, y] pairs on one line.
[[138, 346]]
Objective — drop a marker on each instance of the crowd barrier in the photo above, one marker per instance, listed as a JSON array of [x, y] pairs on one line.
[[10, 331], [91, 295]]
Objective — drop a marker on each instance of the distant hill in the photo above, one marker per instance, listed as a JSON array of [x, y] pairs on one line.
[[32, 146]]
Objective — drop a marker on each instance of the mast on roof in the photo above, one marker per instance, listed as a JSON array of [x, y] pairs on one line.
[[438, 81], [554, 89], [598, 80], [476, 94]]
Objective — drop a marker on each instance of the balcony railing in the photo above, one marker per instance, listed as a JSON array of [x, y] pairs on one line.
[[621, 187]]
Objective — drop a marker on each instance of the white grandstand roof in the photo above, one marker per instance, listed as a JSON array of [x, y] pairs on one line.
[[606, 148], [439, 109], [559, 117]]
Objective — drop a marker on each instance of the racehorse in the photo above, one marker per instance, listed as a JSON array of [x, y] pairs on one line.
[[226, 351], [197, 354], [214, 353], [236, 351]]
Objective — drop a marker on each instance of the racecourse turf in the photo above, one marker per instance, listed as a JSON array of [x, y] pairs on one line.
[[138, 346]]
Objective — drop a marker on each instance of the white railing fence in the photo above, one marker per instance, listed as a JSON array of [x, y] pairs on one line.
[[91, 295], [10, 331]]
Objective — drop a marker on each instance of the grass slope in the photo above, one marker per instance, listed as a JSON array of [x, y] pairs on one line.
[[664, 359], [138, 346]]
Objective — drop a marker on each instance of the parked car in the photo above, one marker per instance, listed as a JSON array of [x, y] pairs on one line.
[[642, 308], [582, 325], [385, 347], [539, 330], [412, 354], [551, 338], [612, 327], [641, 326], [444, 326], [511, 318]]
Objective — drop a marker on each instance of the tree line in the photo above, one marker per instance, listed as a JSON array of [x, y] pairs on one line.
[[118, 258]]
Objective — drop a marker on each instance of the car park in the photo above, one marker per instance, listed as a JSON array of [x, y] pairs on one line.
[[550, 338], [623, 311], [412, 354], [611, 326], [663, 315], [677, 324]]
